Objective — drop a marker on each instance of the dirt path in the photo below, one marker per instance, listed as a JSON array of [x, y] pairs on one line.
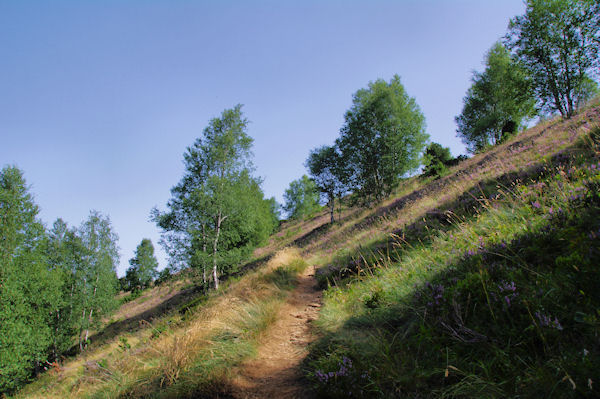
[[275, 372]]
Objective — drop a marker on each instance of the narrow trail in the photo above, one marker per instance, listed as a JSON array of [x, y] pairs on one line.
[[275, 372]]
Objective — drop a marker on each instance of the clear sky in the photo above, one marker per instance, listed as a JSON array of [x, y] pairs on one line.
[[99, 99]]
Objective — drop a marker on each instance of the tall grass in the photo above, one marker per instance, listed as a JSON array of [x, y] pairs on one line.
[[502, 300], [184, 355]]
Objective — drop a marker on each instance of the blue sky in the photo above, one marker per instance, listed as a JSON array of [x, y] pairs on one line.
[[99, 99]]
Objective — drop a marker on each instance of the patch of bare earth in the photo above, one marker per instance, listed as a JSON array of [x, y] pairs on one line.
[[275, 372]]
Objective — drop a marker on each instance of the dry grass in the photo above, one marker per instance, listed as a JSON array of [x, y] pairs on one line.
[[139, 363]]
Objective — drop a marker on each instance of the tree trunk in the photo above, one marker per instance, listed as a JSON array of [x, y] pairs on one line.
[[332, 207], [55, 348], [220, 219], [204, 251], [87, 331], [569, 99], [81, 331]]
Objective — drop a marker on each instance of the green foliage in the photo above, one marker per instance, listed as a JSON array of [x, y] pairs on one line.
[[557, 42], [217, 213], [497, 103], [436, 159], [274, 212], [124, 344], [301, 198], [382, 139], [28, 288], [326, 170], [132, 296], [587, 90], [143, 267], [96, 281], [163, 276], [66, 255]]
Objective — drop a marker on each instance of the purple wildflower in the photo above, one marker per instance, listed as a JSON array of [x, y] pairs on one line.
[[507, 287], [509, 290], [546, 321]]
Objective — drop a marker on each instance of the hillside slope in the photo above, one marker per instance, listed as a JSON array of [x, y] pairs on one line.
[[483, 283]]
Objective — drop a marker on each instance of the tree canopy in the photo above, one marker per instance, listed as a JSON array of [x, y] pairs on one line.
[[325, 168], [497, 103], [143, 267], [28, 288], [436, 159], [558, 43], [382, 139], [301, 198], [217, 212]]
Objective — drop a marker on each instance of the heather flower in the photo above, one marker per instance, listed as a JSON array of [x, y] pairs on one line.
[[507, 287], [509, 290], [437, 294], [344, 370], [546, 321]]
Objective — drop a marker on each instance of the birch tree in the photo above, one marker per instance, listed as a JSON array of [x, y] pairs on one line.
[[499, 102], [66, 255], [97, 280], [558, 42], [382, 139], [143, 267], [324, 165], [217, 208]]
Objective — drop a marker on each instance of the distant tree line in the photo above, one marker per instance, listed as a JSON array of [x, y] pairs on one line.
[[55, 285]]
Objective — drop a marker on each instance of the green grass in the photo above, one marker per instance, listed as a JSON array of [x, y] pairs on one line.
[[502, 302]]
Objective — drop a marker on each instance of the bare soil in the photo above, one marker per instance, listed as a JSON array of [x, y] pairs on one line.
[[275, 373]]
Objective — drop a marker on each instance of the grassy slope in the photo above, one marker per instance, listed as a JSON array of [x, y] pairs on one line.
[[482, 284], [185, 352], [479, 284]]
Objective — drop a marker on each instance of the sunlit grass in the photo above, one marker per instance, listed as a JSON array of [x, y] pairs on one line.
[[182, 354]]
